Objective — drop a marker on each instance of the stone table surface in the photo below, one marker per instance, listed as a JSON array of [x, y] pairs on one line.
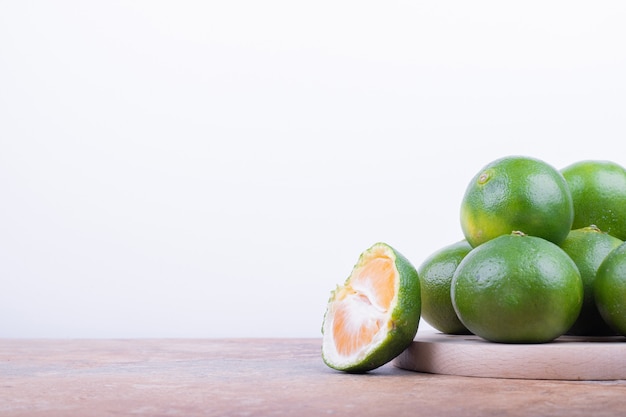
[[261, 377]]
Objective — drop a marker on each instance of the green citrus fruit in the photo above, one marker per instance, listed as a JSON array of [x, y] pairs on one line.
[[599, 193], [375, 314], [588, 247], [517, 289], [610, 289], [435, 274], [517, 193]]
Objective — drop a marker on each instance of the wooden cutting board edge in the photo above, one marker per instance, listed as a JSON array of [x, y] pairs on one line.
[[566, 358]]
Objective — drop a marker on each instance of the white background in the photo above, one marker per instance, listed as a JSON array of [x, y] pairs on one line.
[[214, 168]]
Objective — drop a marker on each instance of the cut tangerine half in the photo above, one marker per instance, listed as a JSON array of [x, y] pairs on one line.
[[374, 316]]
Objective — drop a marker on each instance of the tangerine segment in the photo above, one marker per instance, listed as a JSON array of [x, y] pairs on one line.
[[355, 324], [377, 281], [363, 305]]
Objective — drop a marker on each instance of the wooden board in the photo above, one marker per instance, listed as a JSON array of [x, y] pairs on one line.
[[567, 358]]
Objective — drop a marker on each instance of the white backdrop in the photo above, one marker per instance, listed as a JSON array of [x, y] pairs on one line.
[[214, 169]]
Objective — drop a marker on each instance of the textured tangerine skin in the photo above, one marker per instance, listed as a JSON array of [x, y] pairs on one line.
[[598, 191], [435, 274], [588, 247], [610, 289], [517, 193], [517, 289]]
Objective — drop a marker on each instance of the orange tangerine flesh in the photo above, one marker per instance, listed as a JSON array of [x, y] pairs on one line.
[[377, 281], [363, 305]]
